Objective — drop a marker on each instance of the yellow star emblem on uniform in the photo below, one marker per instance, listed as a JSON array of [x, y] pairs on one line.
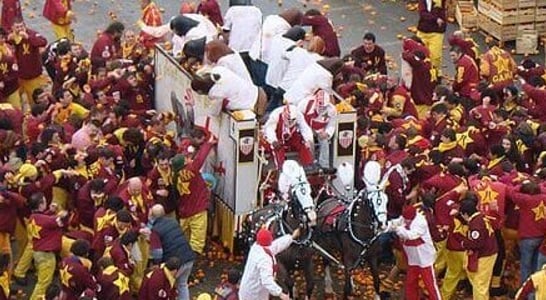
[[33, 229], [487, 195], [122, 283], [460, 228], [65, 276], [501, 64], [107, 219], [540, 211], [464, 139], [184, 187]]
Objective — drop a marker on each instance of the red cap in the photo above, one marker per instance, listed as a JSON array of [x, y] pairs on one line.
[[264, 237], [409, 212]]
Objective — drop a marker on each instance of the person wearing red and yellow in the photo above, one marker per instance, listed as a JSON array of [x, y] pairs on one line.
[[498, 68], [532, 221], [27, 44], [467, 75], [151, 16], [400, 104], [161, 282], [431, 28], [9, 74], [107, 47], [66, 108], [9, 203], [60, 14], [138, 200], [412, 228], [75, 272], [46, 229], [112, 282], [11, 9], [481, 249], [491, 202], [194, 195]]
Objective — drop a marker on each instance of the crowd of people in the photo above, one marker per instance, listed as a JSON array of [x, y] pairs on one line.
[[95, 188]]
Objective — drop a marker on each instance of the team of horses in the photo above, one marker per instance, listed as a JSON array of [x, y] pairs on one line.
[[343, 227]]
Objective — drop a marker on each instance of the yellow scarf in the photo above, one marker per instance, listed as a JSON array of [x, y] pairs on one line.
[[138, 200], [494, 162], [4, 283], [169, 276], [443, 147], [166, 176]]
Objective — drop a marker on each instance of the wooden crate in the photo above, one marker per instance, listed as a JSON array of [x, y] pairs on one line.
[[466, 19], [466, 6], [512, 4], [527, 42], [500, 32], [540, 14], [507, 17]]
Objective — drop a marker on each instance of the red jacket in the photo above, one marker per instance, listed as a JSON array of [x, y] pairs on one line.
[[105, 49], [55, 11], [428, 19], [139, 210], [76, 278], [322, 27], [538, 95], [424, 82], [8, 209], [211, 9], [120, 256], [481, 238], [491, 200], [8, 75], [532, 218], [156, 285], [28, 55], [466, 45], [46, 232], [467, 76], [190, 185], [441, 183], [11, 9], [113, 285]]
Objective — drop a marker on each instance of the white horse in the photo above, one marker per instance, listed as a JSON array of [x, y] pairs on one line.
[[375, 190], [293, 185]]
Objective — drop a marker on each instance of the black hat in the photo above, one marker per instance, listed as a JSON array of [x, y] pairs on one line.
[[195, 48], [333, 65], [180, 25], [295, 33]]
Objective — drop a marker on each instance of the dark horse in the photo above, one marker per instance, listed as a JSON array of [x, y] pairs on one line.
[[350, 228], [283, 218]]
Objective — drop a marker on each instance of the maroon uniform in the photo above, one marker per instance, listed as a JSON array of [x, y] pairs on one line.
[[531, 222], [480, 239], [397, 189], [192, 188], [9, 204], [424, 78], [114, 285], [466, 45], [158, 179], [27, 51], [75, 278], [538, 96], [441, 183], [46, 231], [121, 257], [105, 49], [9, 75], [211, 9], [428, 19], [467, 76], [137, 205], [158, 284], [322, 27], [373, 62], [11, 9]]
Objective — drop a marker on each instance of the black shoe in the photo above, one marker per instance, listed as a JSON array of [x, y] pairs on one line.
[[22, 281]]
